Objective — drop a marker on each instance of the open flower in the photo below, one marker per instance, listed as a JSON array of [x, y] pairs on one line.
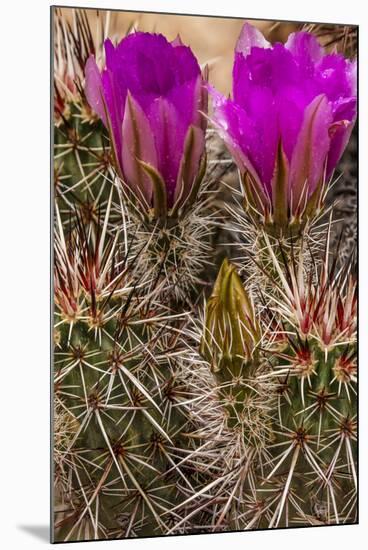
[[150, 96], [291, 116]]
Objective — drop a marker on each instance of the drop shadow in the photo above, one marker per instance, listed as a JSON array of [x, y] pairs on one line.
[[41, 532]]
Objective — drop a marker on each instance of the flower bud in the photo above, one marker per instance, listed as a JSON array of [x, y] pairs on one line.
[[231, 330]]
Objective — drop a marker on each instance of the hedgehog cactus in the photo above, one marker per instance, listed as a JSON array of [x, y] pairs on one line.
[[291, 116], [152, 99], [170, 417], [119, 429], [314, 366], [81, 149], [291, 395]]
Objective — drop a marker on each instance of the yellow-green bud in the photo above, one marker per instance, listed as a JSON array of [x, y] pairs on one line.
[[231, 330]]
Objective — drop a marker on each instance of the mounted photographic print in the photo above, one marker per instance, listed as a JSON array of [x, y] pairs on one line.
[[205, 274]]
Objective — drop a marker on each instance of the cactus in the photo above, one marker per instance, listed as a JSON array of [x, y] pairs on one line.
[[315, 369], [286, 405], [177, 409], [82, 156], [119, 429], [120, 433]]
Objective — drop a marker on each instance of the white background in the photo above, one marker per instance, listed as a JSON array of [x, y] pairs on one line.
[[24, 271]]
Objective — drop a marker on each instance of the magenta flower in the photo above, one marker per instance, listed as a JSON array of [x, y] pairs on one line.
[[291, 116], [150, 96]]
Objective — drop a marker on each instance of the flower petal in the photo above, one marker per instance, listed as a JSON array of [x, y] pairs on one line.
[[187, 100], [311, 149], [305, 49], [273, 69], [94, 89], [138, 145], [115, 108], [232, 123], [169, 134], [280, 187], [189, 164], [335, 77], [250, 37], [339, 139]]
